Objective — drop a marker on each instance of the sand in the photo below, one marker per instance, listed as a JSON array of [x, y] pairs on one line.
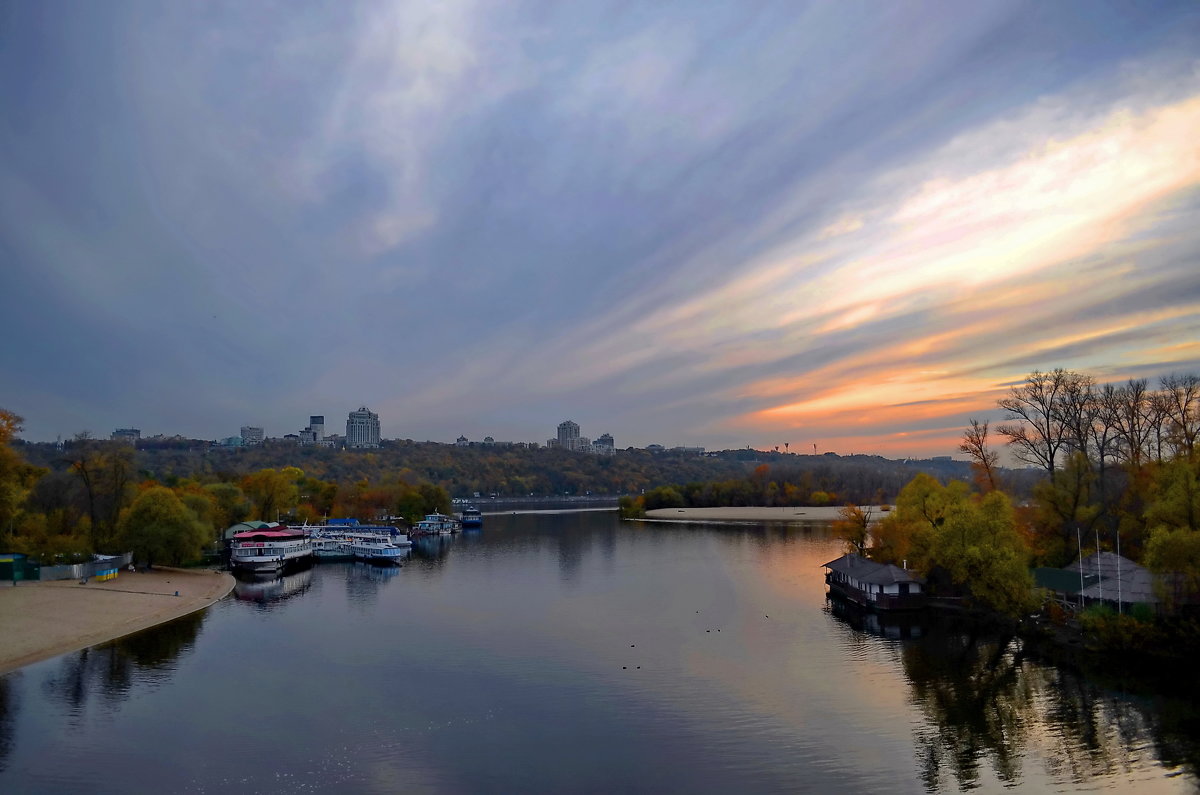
[[39, 620], [798, 514]]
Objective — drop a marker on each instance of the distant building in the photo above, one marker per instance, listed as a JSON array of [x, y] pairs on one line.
[[315, 431], [462, 441], [362, 428], [252, 435], [568, 435], [126, 435], [688, 450], [552, 442], [655, 448], [605, 445], [232, 441]]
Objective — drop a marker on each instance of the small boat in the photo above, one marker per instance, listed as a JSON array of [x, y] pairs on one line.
[[471, 517], [269, 549], [436, 524]]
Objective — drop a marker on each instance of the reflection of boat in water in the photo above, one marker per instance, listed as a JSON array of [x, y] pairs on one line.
[[365, 571], [431, 547], [269, 549], [260, 588], [894, 626], [436, 524], [471, 517]]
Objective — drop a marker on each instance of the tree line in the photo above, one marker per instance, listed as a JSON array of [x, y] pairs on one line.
[[1119, 471]]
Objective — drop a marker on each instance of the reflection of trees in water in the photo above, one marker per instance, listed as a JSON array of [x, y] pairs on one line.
[[112, 670], [977, 701], [8, 718], [987, 703]]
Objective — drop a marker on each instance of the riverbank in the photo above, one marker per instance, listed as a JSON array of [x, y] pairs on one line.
[[39, 620], [792, 514]]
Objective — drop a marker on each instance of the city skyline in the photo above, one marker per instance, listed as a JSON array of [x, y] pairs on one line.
[[845, 224]]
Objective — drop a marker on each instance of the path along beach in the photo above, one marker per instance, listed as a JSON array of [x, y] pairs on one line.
[[39, 620], [792, 514]]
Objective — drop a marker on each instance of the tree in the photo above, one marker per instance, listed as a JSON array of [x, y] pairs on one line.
[[973, 539], [273, 492], [1036, 431], [159, 528], [853, 527], [17, 478], [984, 460], [1181, 404], [1066, 507], [106, 471]]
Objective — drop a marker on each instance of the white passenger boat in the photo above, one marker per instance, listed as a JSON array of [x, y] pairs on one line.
[[376, 551], [269, 550]]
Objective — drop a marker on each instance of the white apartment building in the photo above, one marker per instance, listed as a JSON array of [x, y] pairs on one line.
[[362, 428]]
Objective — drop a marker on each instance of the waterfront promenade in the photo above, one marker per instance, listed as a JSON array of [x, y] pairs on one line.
[[39, 620]]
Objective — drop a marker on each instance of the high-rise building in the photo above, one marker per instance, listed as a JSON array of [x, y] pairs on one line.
[[252, 435], [568, 435], [605, 444], [127, 435], [316, 424], [362, 428]]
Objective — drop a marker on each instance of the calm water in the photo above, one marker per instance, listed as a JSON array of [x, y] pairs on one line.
[[573, 653]]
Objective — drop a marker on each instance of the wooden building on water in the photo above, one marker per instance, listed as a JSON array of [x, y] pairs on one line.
[[875, 586]]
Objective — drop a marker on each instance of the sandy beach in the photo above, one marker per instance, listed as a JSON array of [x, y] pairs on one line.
[[794, 514], [44, 619]]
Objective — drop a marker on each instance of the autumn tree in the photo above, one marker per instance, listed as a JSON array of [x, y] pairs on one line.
[[272, 491], [974, 539], [159, 528], [853, 527], [16, 476], [107, 473]]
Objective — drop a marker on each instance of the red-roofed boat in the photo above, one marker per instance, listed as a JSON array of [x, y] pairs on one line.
[[269, 549]]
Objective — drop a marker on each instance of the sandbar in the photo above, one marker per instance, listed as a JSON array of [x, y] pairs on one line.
[[39, 620], [791, 514]]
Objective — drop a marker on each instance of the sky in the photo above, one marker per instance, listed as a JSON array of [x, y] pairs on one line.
[[840, 226]]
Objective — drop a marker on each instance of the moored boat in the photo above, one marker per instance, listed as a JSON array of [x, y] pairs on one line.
[[376, 551], [436, 524], [471, 517], [269, 550]]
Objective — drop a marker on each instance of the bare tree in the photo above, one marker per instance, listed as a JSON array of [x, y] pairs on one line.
[[1036, 434], [1131, 411], [983, 459], [1077, 409], [1181, 404]]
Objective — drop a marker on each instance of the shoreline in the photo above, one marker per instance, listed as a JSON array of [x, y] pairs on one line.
[[40, 620], [798, 514]]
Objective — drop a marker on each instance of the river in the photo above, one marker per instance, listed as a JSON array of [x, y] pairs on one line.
[[575, 653]]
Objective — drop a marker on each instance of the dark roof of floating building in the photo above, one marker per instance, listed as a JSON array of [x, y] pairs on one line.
[[868, 571]]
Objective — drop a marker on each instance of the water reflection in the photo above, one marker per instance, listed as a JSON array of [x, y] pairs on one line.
[[8, 718], [992, 709], [433, 549], [896, 626], [111, 671], [266, 589]]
